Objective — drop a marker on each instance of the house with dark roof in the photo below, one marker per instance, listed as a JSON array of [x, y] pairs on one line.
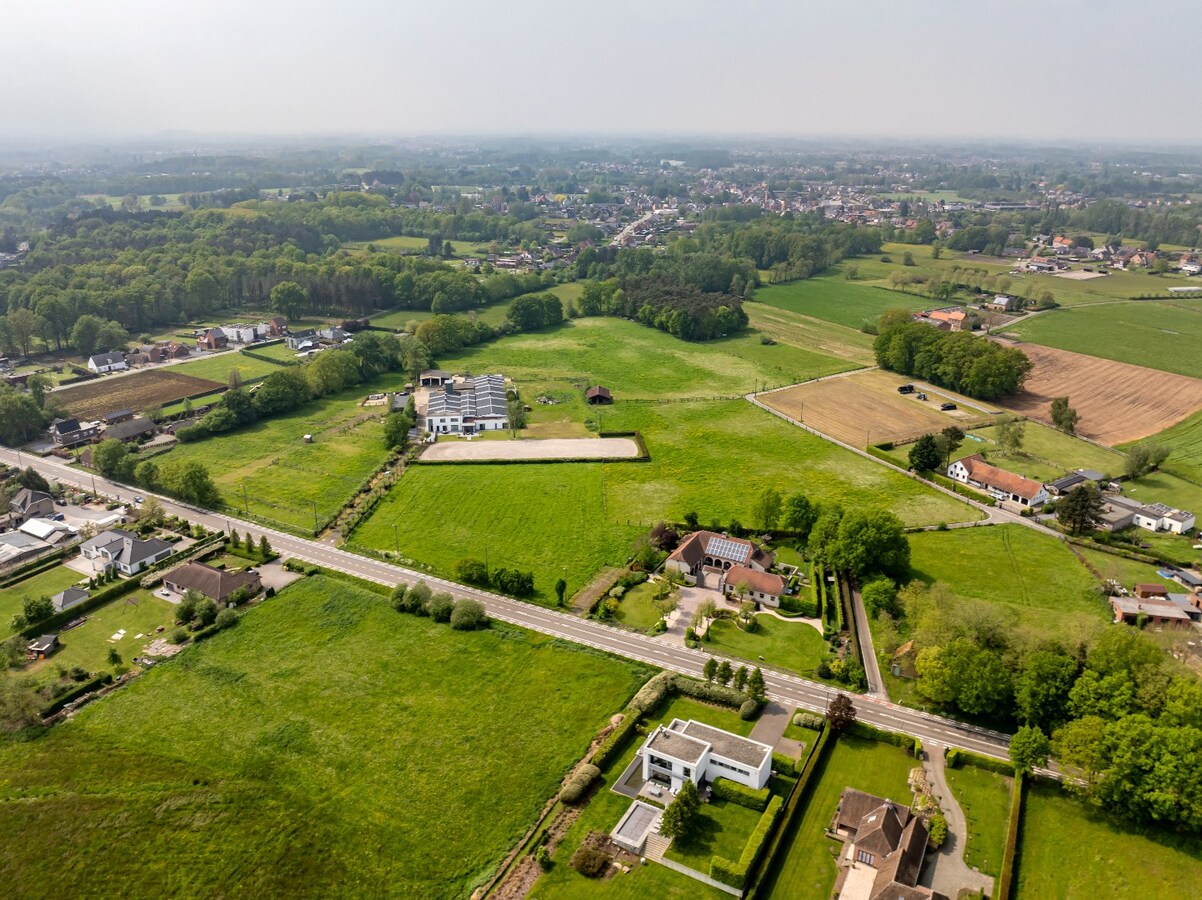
[[107, 362], [72, 596], [597, 396], [216, 584], [70, 432], [42, 647], [117, 415], [884, 847], [468, 405], [123, 551], [28, 504], [130, 429], [1066, 483], [687, 750], [211, 339], [722, 563], [998, 483]]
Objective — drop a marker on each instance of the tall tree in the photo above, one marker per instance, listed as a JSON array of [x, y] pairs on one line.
[[924, 454], [840, 713], [681, 815], [20, 417], [1010, 436], [25, 325], [1080, 510], [289, 299], [768, 509], [799, 515], [1064, 416], [1029, 748]]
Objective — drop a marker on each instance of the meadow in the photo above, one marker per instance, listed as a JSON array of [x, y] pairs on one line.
[[1157, 334], [218, 366], [808, 867], [1031, 579], [1185, 439], [353, 747], [45, 584], [834, 299], [984, 797], [1071, 851]]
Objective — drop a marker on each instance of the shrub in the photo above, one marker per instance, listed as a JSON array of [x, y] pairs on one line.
[[589, 862], [578, 784], [938, 830], [269, 593], [615, 742], [226, 618], [808, 720], [784, 764], [953, 758], [472, 571], [652, 693], [178, 636], [206, 613], [440, 606], [711, 693], [749, 710], [468, 615], [740, 794], [543, 857], [416, 597]]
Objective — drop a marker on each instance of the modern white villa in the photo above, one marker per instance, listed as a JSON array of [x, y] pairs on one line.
[[696, 752], [467, 405]]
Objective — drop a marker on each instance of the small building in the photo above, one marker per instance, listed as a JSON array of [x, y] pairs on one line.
[[743, 583], [44, 646], [1002, 303], [216, 584], [117, 415], [1158, 611], [690, 750], [72, 596], [433, 378], [1066, 483], [1143, 591], [211, 339], [107, 362], [598, 396], [28, 504], [51, 531], [123, 551], [998, 483], [240, 333], [301, 340], [17, 547]]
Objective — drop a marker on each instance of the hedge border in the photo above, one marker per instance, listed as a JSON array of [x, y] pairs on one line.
[[34, 567], [904, 741], [957, 757], [1005, 881], [86, 687], [100, 598], [736, 873], [740, 794]]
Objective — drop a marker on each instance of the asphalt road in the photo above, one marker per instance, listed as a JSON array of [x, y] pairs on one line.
[[788, 689]]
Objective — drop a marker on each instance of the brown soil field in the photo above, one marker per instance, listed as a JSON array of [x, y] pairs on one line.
[[1117, 402], [138, 391], [865, 407]]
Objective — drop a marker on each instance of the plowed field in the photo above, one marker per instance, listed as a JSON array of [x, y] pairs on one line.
[[137, 392]]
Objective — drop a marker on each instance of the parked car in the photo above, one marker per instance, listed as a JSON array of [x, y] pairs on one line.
[[139, 499], [906, 389], [946, 406]]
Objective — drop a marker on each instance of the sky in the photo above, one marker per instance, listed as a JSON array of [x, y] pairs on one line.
[[1073, 70]]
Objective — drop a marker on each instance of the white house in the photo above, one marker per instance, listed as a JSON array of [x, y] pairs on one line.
[[468, 405], [1161, 517], [998, 483], [244, 334], [696, 752], [124, 551], [107, 362]]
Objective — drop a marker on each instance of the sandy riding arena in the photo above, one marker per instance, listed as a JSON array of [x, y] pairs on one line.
[[533, 450]]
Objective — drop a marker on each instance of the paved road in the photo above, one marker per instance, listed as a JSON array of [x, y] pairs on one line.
[[872, 668], [789, 689], [946, 870]]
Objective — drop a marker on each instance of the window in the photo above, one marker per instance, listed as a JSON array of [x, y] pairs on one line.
[[660, 761], [865, 857], [688, 773]]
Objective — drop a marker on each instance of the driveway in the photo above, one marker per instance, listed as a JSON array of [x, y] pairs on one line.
[[946, 871], [690, 599]]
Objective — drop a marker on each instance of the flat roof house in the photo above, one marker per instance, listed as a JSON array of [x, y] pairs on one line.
[[998, 483], [215, 584], [690, 750], [124, 551], [1159, 612]]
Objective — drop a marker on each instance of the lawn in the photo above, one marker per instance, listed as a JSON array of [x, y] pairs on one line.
[[406, 244], [1157, 334], [1185, 439], [1127, 572], [722, 830], [794, 646], [1071, 851], [808, 868], [637, 609], [218, 366], [1030, 578], [357, 746], [606, 807], [47, 584], [984, 797]]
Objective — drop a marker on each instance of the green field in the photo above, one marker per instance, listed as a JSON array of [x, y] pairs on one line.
[[1127, 572], [984, 797], [834, 299], [603, 813], [1070, 851], [788, 327], [1157, 334], [1031, 578], [795, 646], [808, 869], [47, 584], [218, 366], [325, 746], [1186, 440]]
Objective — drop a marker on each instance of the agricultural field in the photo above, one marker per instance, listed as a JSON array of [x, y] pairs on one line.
[[1032, 580], [795, 329], [1158, 334], [405, 244], [834, 299], [793, 646], [306, 698], [1185, 439], [808, 867], [1071, 851], [1117, 402], [562, 882], [139, 391], [984, 797], [865, 408], [46, 584]]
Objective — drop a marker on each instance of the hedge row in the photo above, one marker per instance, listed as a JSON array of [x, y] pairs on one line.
[[958, 488], [784, 764], [957, 758], [713, 693], [269, 359], [76, 692], [653, 692], [614, 743], [1006, 878], [578, 784], [735, 874], [740, 794], [907, 743]]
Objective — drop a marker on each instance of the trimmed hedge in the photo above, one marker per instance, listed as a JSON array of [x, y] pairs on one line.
[[712, 693], [808, 720], [907, 743], [735, 874], [615, 742], [76, 692], [652, 693], [36, 567], [577, 786], [957, 758], [1006, 878], [784, 764], [740, 794]]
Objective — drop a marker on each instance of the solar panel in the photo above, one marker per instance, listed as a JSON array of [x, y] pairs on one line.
[[728, 549]]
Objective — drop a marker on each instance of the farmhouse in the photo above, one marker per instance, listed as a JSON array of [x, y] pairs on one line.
[[1161, 611], [69, 432], [27, 504], [884, 849], [1002, 303], [130, 429], [211, 339], [998, 483], [1119, 512], [742, 583], [213, 583], [467, 405], [107, 362], [951, 318], [123, 551], [1063, 485], [707, 553], [699, 753]]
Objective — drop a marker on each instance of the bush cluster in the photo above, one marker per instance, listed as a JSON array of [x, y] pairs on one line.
[[419, 600], [711, 693], [589, 862], [614, 743], [652, 693], [808, 720], [507, 581], [578, 784], [740, 794]]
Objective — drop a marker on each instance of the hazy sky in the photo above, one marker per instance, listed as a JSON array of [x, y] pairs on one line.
[[1071, 69]]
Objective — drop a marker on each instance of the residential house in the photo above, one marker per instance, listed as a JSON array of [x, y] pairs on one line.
[[117, 415], [72, 596], [743, 583], [467, 405], [1061, 244], [277, 326], [704, 558], [240, 333], [124, 551], [1003, 303], [216, 584], [951, 318], [41, 648], [1158, 611], [334, 334], [131, 429], [884, 848], [1063, 485], [211, 339], [70, 432], [28, 504], [1190, 266], [689, 750], [597, 396], [998, 483], [1185, 579], [301, 340], [107, 362]]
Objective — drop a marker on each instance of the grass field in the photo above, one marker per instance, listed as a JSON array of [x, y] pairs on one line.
[[1185, 439], [358, 747], [1070, 851], [1127, 572], [219, 366], [834, 299], [984, 797], [603, 812], [1157, 334], [636, 608], [154, 387], [787, 327], [794, 646], [407, 244], [1030, 578], [47, 584], [808, 869]]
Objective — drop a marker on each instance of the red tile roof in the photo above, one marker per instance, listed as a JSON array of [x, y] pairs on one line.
[[764, 582], [983, 472]]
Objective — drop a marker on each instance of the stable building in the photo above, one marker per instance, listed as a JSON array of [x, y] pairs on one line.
[[468, 405]]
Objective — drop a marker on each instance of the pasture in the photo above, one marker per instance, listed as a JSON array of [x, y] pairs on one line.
[[865, 408], [347, 738], [218, 366], [1069, 850], [1117, 402], [1158, 334], [137, 391], [795, 329], [1031, 580], [834, 299], [45, 584], [1185, 439]]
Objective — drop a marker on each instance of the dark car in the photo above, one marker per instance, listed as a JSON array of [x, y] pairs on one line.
[[947, 406], [906, 389]]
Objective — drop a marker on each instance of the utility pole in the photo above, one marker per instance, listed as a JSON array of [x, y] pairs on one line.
[[396, 543], [315, 528], [245, 501]]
